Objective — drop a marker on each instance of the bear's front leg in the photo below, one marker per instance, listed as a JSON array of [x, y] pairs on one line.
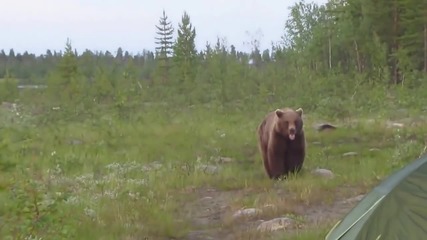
[[295, 159], [276, 163]]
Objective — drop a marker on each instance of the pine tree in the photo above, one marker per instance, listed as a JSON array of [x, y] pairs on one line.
[[119, 54], [164, 49], [412, 38], [185, 54], [68, 64], [66, 85]]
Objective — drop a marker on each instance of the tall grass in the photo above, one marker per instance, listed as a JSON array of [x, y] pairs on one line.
[[130, 172]]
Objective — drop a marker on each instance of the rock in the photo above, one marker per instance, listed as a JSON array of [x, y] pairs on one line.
[[394, 124], [221, 160], [353, 199], [399, 125], [276, 224], [325, 126], [206, 198], [248, 212], [349, 154], [210, 169], [326, 173], [269, 206]]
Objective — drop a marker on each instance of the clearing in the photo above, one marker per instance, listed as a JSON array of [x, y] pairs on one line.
[[151, 177]]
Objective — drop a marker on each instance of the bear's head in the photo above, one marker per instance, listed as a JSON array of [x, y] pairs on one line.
[[289, 122]]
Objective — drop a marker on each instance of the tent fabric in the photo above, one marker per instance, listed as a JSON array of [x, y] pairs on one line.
[[395, 209]]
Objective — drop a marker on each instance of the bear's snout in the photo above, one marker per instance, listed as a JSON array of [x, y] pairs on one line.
[[292, 132]]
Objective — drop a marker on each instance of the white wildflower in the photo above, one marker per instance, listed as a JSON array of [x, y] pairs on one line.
[[31, 237], [72, 200], [90, 212], [134, 195]]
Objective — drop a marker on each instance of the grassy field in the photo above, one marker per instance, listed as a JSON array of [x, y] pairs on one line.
[[169, 173]]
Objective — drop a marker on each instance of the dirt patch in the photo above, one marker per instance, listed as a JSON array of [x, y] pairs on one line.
[[212, 209], [325, 214], [209, 207], [207, 211]]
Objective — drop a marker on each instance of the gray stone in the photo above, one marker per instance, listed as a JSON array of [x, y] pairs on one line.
[[222, 160], [353, 199], [349, 154], [325, 126], [276, 224], [210, 169], [390, 124], [326, 173], [248, 212]]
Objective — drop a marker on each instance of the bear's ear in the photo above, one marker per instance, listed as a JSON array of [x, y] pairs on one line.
[[279, 113], [299, 111]]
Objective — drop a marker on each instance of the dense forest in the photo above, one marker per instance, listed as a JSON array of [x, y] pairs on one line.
[[338, 46]]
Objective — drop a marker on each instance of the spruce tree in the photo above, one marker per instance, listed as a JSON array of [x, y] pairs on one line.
[[164, 49], [185, 54], [68, 65], [66, 85]]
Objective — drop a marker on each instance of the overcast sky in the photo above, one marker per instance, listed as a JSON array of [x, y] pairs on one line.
[[38, 25]]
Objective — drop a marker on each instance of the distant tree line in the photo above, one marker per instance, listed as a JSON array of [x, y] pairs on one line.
[[372, 42]]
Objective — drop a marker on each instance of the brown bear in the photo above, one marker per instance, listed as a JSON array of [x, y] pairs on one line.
[[281, 142]]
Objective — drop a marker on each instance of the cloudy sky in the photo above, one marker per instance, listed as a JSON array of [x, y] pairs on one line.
[[38, 25]]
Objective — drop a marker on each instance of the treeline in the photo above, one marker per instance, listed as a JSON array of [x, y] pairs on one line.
[[334, 48], [386, 40]]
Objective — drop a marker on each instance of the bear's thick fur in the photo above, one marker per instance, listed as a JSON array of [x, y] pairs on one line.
[[281, 142]]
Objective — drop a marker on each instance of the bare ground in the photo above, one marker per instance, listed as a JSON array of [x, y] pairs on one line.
[[211, 213]]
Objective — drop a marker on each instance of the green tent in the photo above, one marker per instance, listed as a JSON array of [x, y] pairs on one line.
[[395, 209]]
